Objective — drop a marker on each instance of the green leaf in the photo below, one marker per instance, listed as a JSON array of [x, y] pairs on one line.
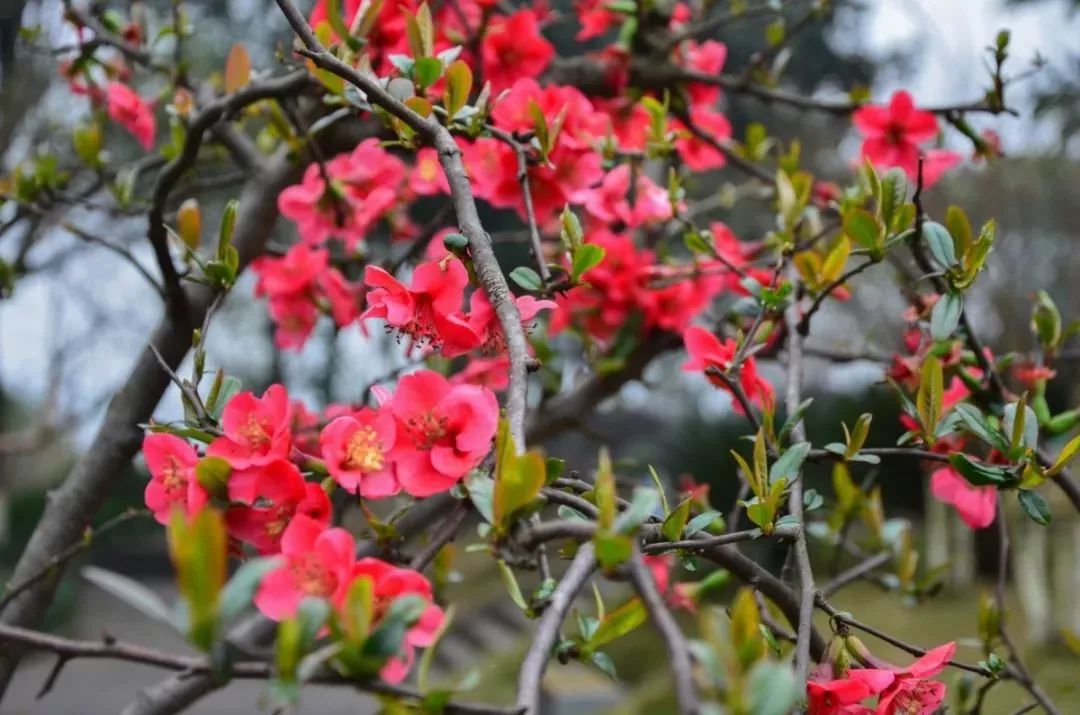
[[956, 221], [1068, 454], [588, 255], [975, 422], [1034, 506], [427, 71], [527, 278], [673, 525], [930, 396], [946, 315], [238, 593], [481, 494], [612, 549], [617, 623], [518, 478], [225, 232], [512, 586], [772, 689], [940, 243], [605, 664], [1020, 423], [789, 463], [709, 521], [130, 592], [213, 474], [978, 473], [643, 504], [459, 79], [863, 228]]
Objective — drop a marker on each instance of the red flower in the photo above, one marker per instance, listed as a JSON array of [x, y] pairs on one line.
[[843, 695], [292, 273], [356, 449], [492, 373], [171, 462], [975, 505], [911, 692], [388, 584], [132, 112], [595, 18], [485, 325], [428, 311], [317, 562], [706, 58], [700, 155], [272, 497], [256, 429], [893, 134], [610, 201], [444, 430], [294, 318], [513, 47], [581, 125], [426, 178], [706, 351]]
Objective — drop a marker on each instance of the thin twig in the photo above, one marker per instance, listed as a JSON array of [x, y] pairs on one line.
[[678, 650], [536, 660]]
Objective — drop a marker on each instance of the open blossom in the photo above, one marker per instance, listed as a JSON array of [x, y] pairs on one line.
[[975, 505], [610, 201], [132, 112], [484, 322], [492, 373], [697, 154], [316, 562], [388, 584], [295, 272], [513, 47], [581, 124], [266, 499], [171, 462], [595, 18], [444, 430], [256, 429], [842, 696], [706, 58], [707, 352], [428, 311], [892, 135], [356, 449], [902, 691]]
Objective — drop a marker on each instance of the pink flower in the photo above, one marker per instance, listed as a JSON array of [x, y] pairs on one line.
[[595, 18], [706, 58], [513, 47], [272, 496], [911, 692], [700, 155], [706, 351], [294, 318], [426, 177], [610, 201], [842, 696], [317, 562], [171, 462], [492, 373], [256, 429], [975, 505], [484, 323], [292, 273], [581, 124], [444, 431], [342, 297], [893, 134], [132, 112], [427, 311], [356, 449], [390, 583]]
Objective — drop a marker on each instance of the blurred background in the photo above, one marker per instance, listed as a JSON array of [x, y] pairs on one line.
[[78, 315]]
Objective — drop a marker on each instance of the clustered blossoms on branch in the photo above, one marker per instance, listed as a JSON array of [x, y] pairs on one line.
[[422, 439]]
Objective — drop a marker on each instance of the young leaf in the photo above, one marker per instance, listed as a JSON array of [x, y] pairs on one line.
[[978, 473], [1068, 454], [789, 463], [929, 399], [1034, 506], [673, 525], [459, 79], [946, 315], [940, 243], [617, 623], [863, 228], [527, 278], [130, 592], [237, 68], [588, 255]]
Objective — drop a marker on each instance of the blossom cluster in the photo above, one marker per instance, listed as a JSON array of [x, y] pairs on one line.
[[421, 439], [899, 690]]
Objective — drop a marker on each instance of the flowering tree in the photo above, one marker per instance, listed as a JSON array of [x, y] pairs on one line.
[[377, 109]]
